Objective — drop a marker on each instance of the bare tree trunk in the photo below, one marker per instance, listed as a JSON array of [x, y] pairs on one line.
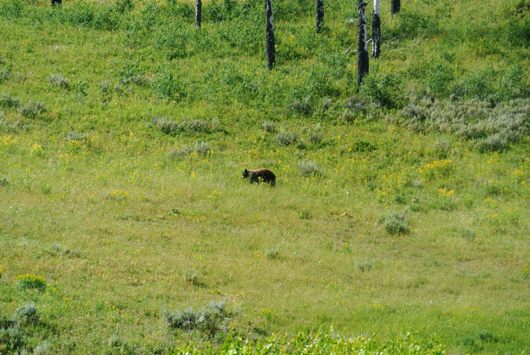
[[198, 13], [362, 47], [396, 5], [376, 30], [320, 14], [271, 50]]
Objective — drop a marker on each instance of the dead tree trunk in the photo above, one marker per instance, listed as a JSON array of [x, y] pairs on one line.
[[271, 50], [320, 14], [198, 13], [396, 6], [362, 47], [376, 31]]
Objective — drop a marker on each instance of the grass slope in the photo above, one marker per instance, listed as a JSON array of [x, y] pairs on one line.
[[124, 221]]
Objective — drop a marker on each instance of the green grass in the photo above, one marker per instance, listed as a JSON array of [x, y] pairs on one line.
[[116, 215]]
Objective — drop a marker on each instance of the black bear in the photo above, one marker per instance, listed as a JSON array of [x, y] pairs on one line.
[[255, 175]]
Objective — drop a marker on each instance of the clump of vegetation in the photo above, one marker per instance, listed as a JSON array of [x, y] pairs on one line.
[[193, 279], [272, 253], [173, 128], [30, 281], [11, 126], [315, 134], [210, 320], [364, 266], [310, 168], [319, 342], [26, 315], [269, 126], [8, 101], [165, 85], [363, 147], [19, 334], [492, 127], [395, 223], [198, 148], [121, 346], [33, 109], [287, 138], [5, 74], [302, 107], [59, 81]]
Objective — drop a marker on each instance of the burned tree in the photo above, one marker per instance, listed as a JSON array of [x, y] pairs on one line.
[[362, 46], [396, 5], [320, 14], [271, 50], [198, 13], [376, 31]]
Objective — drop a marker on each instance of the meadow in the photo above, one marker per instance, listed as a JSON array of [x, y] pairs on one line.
[[400, 218]]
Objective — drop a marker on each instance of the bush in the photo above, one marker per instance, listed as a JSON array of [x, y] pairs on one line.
[[186, 126], [316, 135], [26, 315], [383, 88], [272, 253], [8, 101], [4, 75], [166, 86], [492, 127], [364, 266], [12, 8], [269, 126], [287, 138], [209, 320], [29, 281], [439, 78], [302, 107], [310, 168], [12, 340], [33, 109], [199, 148], [59, 81], [395, 223]]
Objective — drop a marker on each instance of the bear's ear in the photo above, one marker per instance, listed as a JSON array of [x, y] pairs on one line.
[[246, 171]]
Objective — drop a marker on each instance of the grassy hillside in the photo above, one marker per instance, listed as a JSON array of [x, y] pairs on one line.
[[403, 207]]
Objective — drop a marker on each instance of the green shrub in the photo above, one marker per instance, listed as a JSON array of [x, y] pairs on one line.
[[59, 81], [478, 84], [315, 134], [186, 126], [310, 168], [439, 78], [395, 223], [12, 8], [8, 101], [33, 109], [199, 148], [12, 340], [272, 253], [302, 107], [29, 281], [492, 127], [26, 315], [287, 138], [209, 320], [269, 126], [383, 88], [364, 266], [5, 74], [165, 85]]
